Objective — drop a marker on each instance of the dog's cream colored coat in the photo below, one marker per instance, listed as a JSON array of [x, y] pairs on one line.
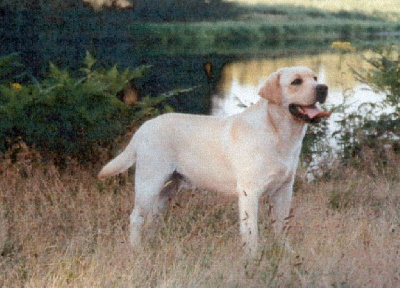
[[246, 154]]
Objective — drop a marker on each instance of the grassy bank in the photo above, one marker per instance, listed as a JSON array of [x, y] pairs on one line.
[[261, 26], [256, 32], [71, 230]]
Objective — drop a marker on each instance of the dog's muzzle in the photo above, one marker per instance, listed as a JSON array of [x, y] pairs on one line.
[[312, 113]]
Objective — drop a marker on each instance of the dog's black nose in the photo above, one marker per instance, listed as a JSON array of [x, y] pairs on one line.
[[322, 92]]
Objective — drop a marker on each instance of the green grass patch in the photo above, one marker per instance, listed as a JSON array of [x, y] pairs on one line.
[[210, 37], [263, 24]]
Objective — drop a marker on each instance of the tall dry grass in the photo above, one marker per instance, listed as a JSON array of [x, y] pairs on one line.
[[70, 230]]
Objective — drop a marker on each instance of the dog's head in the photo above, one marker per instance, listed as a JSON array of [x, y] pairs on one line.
[[297, 89]]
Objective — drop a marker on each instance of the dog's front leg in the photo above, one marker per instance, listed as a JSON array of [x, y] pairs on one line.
[[248, 209], [280, 203]]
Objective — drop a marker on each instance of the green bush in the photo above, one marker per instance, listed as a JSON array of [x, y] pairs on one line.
[[70, 116], [184, 10]]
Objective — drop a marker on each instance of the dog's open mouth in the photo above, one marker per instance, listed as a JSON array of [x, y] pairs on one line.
[[309, 114]]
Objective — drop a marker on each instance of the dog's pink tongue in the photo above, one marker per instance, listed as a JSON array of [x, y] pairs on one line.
[[313, 111]]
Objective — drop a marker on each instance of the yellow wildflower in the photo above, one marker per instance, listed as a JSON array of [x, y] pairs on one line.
[[343, 46], [16, 86]]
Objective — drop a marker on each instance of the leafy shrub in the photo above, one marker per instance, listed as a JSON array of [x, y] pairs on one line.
[[374, 125], [71, 116], [384, 77], [184, 10], [10, 68]]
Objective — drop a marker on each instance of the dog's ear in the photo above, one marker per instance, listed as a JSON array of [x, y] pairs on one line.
[[272, 89]]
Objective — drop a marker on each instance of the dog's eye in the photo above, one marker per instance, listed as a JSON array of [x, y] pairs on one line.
[[297, 81], [315, 78]]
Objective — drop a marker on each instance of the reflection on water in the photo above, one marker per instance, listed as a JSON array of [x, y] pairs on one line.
[[240, 82]]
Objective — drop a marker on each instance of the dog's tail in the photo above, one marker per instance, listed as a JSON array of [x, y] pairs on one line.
[[120, 163]]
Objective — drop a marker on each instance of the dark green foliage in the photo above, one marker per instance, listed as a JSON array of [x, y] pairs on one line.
[[184, 10], [71, 116], [10, 67], [42, 5]]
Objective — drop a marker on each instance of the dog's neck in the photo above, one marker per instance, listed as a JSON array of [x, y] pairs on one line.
[[286, 128], [281, 117], [279, 122]]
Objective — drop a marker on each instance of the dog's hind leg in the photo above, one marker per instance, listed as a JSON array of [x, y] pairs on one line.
[[148, 199], [136, 223]]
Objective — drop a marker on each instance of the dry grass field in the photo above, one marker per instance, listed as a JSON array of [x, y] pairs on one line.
[[70, 230]]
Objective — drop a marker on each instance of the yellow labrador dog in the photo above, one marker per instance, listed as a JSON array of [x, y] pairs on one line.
[[248, 154]]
